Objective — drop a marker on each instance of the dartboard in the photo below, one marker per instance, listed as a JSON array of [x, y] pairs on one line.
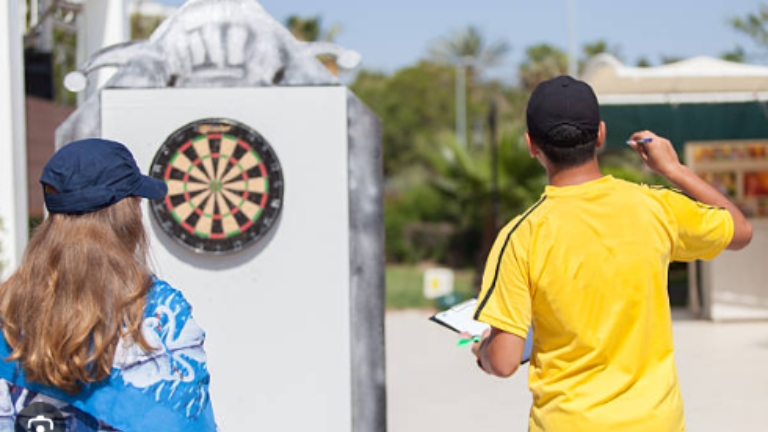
[[225, 186]]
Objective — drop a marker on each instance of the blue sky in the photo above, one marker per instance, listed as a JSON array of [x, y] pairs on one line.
[[395, 33]]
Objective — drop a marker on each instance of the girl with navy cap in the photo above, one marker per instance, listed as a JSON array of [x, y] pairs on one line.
[[91, 340]]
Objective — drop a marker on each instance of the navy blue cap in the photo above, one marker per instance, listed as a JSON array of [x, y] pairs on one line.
[[92, 174]]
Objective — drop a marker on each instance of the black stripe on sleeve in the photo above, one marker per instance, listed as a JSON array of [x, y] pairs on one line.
[[501, 254], [679, 192]]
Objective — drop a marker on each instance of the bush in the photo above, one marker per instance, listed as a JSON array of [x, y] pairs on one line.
[[414, 220]]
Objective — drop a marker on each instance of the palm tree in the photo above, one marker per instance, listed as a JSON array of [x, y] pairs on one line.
[[311, 30], [754, 25], [469, 47], [470, 53], [464, 179], [542, 62]]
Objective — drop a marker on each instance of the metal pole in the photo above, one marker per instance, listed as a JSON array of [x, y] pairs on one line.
[[461, 104], [573, 66], [492, 122]]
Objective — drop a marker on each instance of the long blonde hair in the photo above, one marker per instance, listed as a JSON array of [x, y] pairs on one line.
[[80, 288]]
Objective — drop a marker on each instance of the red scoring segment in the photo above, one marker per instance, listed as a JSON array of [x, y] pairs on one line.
[[186, 145]]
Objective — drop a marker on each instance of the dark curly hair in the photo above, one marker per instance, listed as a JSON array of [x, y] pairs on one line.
[[567, 146]]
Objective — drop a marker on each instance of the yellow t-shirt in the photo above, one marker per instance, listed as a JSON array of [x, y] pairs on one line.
[[587, 267]]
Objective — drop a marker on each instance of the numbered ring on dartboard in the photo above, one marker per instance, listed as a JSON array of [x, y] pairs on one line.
[[225, 186]]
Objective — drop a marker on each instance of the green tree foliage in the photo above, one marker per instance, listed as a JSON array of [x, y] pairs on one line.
[[415, 105], [737, 55], [754, 25], [438, 194], [542, 62], [643, 62], [464, 180], [414, 221]]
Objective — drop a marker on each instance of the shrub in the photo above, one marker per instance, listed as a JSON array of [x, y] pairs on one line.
[[415, 224]]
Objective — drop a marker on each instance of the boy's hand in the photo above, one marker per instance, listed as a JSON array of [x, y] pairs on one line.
[[660, 156], [657, 152], [477, 345]]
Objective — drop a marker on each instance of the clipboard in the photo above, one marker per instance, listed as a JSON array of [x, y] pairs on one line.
[[459, 318]]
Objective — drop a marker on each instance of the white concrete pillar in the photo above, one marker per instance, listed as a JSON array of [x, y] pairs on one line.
[[100, 24], [13, 143]]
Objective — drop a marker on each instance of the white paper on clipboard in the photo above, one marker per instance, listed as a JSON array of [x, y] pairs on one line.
[[459, 318]]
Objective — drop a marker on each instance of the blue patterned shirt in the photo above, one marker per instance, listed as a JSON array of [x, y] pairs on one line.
[[172, 380]]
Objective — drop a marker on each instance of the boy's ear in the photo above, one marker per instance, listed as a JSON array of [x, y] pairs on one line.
[[532, 149], [600, 136]]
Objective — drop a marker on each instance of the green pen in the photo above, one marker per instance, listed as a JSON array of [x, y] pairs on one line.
[[465, 342]]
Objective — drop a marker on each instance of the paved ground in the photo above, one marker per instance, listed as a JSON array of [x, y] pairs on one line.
[[434, 386]]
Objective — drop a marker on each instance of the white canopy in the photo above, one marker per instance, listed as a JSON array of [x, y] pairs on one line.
[[694, 80]]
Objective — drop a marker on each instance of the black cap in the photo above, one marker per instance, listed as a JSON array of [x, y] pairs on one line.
[[560, 101], [92, 174]]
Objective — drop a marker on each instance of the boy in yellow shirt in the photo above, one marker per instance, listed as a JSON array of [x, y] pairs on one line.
[[586, 267]]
